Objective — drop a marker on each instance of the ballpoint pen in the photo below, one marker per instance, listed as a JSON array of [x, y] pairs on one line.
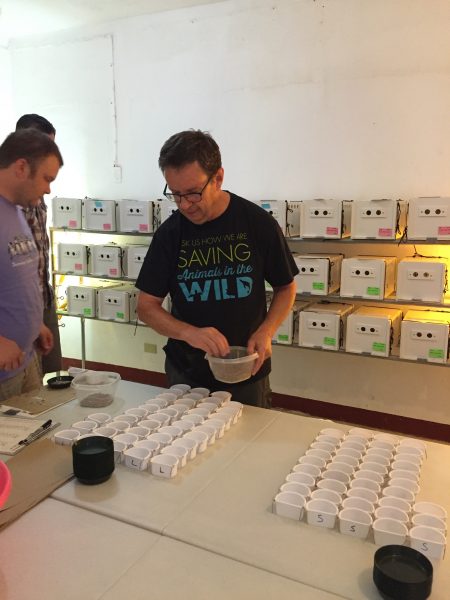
[[36, 434]]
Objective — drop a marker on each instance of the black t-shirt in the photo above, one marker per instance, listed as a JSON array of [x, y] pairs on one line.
[[215, 276]]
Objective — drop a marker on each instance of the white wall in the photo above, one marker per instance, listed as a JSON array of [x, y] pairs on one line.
[[340, 98], [6, 99]]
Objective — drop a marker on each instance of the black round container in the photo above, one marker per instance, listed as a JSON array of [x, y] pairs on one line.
[[93, 459], [60, 382], [402, 573]]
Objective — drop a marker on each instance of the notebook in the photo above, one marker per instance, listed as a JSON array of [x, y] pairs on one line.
[[15, 429]]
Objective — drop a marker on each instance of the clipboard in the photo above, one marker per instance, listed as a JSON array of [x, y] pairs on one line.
[[15, 429]]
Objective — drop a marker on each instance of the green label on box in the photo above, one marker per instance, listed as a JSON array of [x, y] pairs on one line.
[[87, 312], [379, 347], [435, 353], [318, 285], [329, 341], [120, 315], [373, 291], [283, 338]]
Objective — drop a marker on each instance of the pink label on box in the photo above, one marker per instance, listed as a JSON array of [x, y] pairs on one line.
[[332, 231], [143, 227], [385, 232], [73, 223], [78, 267], [113, 272], [107, 226], [443, 230]]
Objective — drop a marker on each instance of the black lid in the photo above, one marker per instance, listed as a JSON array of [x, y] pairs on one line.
[[402, 573], [59, 382], [93, 459]]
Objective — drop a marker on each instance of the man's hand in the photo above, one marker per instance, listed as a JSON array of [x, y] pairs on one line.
[[260, 342], [45, 340], [208, 339], [11, 356]]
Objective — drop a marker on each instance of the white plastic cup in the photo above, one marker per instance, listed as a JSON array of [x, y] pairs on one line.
[[321, 513], [359, 439], [194, 419], [203, 412], [412, 458], [289, 504], [366, 433], [185, 426], [193, 396], [355, 453], [163, 439], [359, 503], [140, 413], [223, 395], [312, 460], [324, 446], [150, 445], [387, 437], [189, 445], [200, 390], [373, 475], [161, 417], [399, 492], [172, 430], [304, 478], [119, 448], [429, 521], [121, 426], [388, 531], [354, 445], [85, 426], [337, 475], [366, 484], [430, 508], [186, 402], [329, 495], [200, 437], [106, 431], [184, 387], [141, 432], [383, 445], [413, 443], [151, 408], [178, 451], [127, 438], [380, 452], [130, 419], [333, 431], [403, 474], [328, 439], [219, 426], [136, 458], [66, 437], [394, 502], [378, 458], [164, 465], [406, 449], [312, 470], [345, 458], [100, 418], [364, 493], [354, 522], [210, 432], [405, 465], [161, 402], [390, 512], [324, 454], [340, 465], [169, 396], [332, 484], [408, 484], [428, 541], [369, 465], [150, 424], [298, 488]]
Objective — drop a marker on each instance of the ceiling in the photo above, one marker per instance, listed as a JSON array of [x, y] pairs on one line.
[[20, 19]]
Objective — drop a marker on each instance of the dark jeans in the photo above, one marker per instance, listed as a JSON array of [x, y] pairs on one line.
[[52, 362], [257, 393]]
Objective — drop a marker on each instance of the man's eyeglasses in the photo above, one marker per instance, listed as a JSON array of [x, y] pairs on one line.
[[190, 197]]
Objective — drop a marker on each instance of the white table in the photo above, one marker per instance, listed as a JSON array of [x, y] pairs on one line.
[[220, 506], [61, 552]]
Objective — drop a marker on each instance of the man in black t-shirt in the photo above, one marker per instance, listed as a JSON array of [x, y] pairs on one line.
[[213, 257]]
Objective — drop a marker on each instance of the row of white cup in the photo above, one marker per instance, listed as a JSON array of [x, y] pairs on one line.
[[164, 432], [355, 465]]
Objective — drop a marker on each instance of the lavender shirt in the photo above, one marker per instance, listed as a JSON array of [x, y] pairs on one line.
[[20, 296]]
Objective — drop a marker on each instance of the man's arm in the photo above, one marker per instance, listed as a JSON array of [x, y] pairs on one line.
[[45, 340], [208, 339], [261, 340], [11, 356]]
